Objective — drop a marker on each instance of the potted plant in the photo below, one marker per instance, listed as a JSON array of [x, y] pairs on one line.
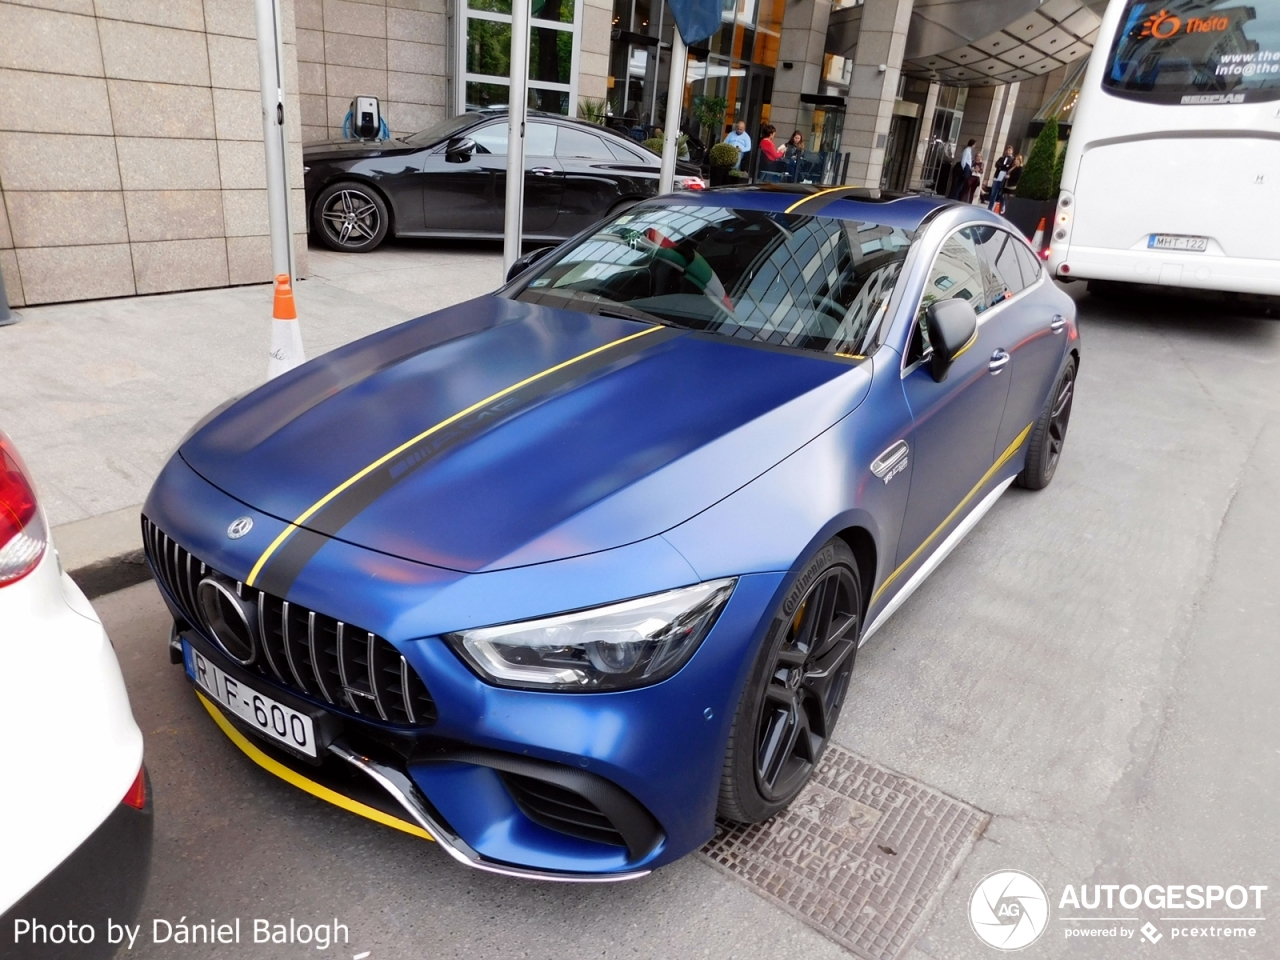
[[593, 110], [723, 157], [1037, 193], [708, 113]]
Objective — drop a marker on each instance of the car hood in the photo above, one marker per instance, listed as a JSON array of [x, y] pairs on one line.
[[353, 149], [498, 433]]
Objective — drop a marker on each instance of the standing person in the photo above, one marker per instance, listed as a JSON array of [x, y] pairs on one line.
[[975, 178], [795, 155], [739, 138], [966, 168], [1003, 166], [1015, 174]]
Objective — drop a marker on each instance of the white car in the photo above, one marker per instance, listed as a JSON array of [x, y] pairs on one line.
[[75, 811]]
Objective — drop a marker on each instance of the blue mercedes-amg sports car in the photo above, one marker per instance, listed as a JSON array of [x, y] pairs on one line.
[[557, 575]]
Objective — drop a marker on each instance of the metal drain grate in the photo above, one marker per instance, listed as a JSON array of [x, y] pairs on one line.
[[862, 854]]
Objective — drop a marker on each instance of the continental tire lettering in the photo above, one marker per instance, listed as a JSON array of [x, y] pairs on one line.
[[825, 557]]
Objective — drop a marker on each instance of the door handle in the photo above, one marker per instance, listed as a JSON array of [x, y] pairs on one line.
[[1058, 323], [998, 361], [542, 171]]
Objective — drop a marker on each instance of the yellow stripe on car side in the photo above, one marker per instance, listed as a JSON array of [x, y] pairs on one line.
[[1004, 458], [276, 768], [310, 511]]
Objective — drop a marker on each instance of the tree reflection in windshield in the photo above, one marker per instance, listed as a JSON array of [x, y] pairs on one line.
[[815, 283]]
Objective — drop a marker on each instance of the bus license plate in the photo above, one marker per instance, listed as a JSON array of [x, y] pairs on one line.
[[1172, 241], [268, 717]]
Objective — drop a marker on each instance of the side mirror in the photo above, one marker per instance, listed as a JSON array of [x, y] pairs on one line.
[[459, 150], [527, 261], [952, 326]]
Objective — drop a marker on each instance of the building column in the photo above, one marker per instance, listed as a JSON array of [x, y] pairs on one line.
[[1010, 102], [922, 140], [877, 64], [981, 119], [803, 45]]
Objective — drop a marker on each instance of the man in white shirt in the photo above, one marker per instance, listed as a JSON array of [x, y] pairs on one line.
[[966, 171], [739, 138]]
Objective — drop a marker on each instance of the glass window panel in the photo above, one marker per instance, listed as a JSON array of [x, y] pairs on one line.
[[990, 243], [550, 54], [549, 101], [493, 6], [956, 273], [622, 153], [559, 10], [1196, 51], [488, 48], [580, 145], [1030, 264], [492, 137], [481, 95], [540, 140]]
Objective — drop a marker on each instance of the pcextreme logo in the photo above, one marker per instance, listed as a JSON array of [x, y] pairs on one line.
[[1008, 910], [1164, 25]]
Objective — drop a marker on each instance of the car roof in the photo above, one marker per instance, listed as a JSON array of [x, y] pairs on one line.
[[843, 203]]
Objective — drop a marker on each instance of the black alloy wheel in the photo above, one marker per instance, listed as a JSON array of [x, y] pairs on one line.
[[793, 699], [1050, 432], [351, 217]]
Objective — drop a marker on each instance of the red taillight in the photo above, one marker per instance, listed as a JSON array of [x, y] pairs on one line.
[[1044, 254], [22, 533], [137, 794]]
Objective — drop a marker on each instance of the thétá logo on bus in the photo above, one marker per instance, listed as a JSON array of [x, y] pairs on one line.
[[1164, 25]]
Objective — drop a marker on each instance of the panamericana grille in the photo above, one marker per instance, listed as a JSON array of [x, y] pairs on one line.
[[311, 653], [559, 809]]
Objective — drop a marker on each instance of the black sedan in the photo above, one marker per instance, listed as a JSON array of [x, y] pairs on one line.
[[451, 179]]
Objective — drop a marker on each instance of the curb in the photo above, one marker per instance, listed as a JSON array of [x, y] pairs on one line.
[[103, 554]]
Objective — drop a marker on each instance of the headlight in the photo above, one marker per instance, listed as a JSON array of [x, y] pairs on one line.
[[628, 644]]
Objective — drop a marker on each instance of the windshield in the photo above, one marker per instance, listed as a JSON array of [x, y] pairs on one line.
[[1197, 52], [442, 130], [814, 283]]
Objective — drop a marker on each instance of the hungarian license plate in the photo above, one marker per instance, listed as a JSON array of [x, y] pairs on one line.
[[1173, 241], [270, 718]]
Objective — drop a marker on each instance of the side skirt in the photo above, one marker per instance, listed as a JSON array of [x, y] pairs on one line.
[[935, 558]]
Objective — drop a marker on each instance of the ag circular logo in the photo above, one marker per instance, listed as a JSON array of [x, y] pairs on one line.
[[239, 527], [1008, 910]]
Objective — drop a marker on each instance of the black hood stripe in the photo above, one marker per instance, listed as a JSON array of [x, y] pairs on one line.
[[285, 558]]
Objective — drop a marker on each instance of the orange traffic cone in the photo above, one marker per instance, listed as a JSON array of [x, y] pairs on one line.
[[1037, 241], [286, 337]]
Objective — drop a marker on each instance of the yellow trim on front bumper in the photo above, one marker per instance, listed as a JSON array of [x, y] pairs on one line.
[[1004, 458], [276, 768]]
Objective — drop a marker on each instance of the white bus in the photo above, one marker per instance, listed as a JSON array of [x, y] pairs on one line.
[[1172, 172]]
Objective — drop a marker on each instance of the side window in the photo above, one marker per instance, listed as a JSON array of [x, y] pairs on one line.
[[622, 153], [539, 140], [577, 144], [990, 243], [491, 138], [956, 273], [999, 252], [1029, 262]]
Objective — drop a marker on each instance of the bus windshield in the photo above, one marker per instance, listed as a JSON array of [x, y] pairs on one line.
[[1197, 52]]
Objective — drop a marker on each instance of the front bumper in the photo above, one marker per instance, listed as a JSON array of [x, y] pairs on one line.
[[104, 878], [656, 751]]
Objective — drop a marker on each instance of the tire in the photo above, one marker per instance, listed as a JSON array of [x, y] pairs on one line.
[[351, 217], [1050, 432], [796, 688]]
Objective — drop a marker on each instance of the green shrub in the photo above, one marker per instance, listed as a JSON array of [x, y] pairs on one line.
[[654, 144], [1037, 179], [709, 111], [723, 155]]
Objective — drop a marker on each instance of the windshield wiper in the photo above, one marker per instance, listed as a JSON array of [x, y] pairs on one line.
[[622, 312]]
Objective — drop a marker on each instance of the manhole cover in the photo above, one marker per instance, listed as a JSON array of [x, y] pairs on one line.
[[862, 854]]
